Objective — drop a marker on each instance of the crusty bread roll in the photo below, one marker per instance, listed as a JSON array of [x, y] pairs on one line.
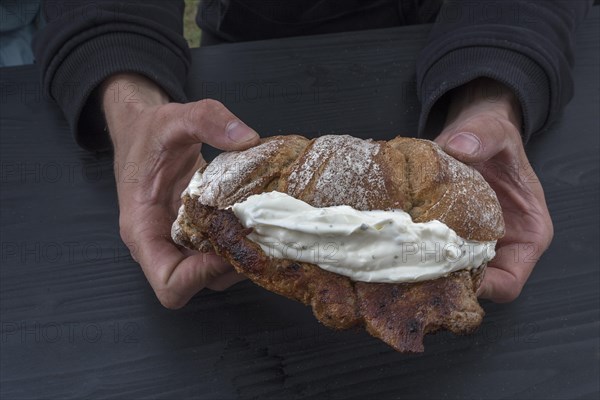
[[409, 174]]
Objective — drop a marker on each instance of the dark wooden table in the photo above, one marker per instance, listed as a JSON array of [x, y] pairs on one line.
[[79, 320]]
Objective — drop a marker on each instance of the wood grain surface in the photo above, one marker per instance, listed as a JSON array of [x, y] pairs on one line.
[[79, 320]]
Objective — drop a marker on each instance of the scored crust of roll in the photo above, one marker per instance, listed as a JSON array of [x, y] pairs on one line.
[[409, 174]]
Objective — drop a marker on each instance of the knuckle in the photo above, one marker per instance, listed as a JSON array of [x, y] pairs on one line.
[[201, 111], [544, 234], [124, 229], [219, 286], [124, 233], [494, 124], [511, 292], [550, 237], [168, 300], [549, 232], [205, 107], [127, 238]]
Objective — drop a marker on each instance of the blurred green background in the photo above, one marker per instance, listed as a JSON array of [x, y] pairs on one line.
[[190, 29]]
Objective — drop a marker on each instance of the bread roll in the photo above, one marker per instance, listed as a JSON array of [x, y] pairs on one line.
[[409, 174]]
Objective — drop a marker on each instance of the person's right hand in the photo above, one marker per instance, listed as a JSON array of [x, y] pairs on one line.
[[156, 151]]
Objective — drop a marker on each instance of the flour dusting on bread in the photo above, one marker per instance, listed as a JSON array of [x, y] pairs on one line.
[[338, 170], [234, 176], [467, 194]]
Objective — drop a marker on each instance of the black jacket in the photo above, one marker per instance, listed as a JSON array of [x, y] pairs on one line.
[[527, 45]]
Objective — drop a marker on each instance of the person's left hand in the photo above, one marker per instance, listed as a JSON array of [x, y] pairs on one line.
[[482, 130]]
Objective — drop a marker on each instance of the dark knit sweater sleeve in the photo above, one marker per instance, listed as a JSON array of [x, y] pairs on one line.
[[85, 42], [526, 45]]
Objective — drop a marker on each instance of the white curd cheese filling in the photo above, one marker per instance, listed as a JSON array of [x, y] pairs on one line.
[[367, 246]]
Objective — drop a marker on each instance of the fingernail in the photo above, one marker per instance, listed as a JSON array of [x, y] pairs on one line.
[[464, 142], [239, 132]]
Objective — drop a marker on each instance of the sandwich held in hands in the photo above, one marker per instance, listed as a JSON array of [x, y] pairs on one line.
[[393, 236]]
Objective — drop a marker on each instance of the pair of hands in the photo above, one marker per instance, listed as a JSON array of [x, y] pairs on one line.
[[157, 149]]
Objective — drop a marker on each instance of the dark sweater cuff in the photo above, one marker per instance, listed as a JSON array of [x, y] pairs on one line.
[[515, 70], [90, 63]]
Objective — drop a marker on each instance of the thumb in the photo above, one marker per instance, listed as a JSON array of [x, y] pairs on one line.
[[473, 141], [208, 121]]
